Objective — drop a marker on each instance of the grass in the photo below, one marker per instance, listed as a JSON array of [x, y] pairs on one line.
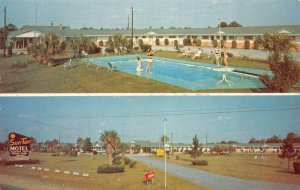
[[245, 166], [132, 178], [37, 78]]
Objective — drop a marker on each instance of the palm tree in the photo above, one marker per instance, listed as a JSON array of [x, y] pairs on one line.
[[111, 140]]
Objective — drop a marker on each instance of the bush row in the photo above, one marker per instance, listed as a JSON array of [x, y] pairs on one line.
[[200, 162], [110, 169], [131, 163], [7, 162]]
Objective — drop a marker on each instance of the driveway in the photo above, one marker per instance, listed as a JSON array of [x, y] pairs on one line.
[[214, 181]]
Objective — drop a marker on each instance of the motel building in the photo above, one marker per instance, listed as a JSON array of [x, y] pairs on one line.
[[241, 148], [21, 38]]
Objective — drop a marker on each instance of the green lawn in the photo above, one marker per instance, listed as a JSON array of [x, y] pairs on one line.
[[132, 178], [270, 168], [37, 78]]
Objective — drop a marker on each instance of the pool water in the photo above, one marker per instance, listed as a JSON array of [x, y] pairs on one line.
[[186, 74]]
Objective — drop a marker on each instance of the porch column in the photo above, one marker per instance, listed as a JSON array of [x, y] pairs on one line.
[[23, 42]]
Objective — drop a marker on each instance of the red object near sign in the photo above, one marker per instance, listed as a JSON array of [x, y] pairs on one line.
[[149, 175]]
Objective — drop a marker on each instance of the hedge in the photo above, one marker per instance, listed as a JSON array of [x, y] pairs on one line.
[[247, 44], [200, 162], [234, 44], [6, 162], [110, 169]]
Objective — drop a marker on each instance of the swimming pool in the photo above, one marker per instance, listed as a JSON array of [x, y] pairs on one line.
[[186, 74]]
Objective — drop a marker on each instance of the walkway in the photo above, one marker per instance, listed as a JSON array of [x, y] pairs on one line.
[[214, 181]]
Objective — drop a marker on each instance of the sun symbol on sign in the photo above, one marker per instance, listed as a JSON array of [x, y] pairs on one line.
[[12, 136]]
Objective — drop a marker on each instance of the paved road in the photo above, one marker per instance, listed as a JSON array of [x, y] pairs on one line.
[[214, 181]]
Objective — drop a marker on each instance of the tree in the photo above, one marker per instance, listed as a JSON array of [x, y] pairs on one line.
[[87, 146], [223, 24], [234, 24], [287, 148], [111, 140], [176, 45], [164, 137], [123, 148], [218, 149], [11, 27], [196, 148], [274, 139], [231, 149], [80, 43], [282, 64], [45, 48]]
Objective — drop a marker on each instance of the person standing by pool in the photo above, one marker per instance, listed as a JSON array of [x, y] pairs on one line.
[[217, 55], [139, 65], [150, 61], [225, 56]]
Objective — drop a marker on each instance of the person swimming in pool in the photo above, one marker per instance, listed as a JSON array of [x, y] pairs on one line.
[[139, 65], [149, 66]]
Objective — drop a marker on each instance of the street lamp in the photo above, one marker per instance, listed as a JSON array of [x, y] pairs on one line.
[[165, 123]]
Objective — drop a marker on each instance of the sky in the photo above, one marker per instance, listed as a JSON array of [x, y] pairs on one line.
[[221, 117], [154, 13]]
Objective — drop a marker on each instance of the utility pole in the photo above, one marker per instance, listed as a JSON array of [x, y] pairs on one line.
[[165, 152], [4, 33], [206, 141], [172, 143], [132, 26]]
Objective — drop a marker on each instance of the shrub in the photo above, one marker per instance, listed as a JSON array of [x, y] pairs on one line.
[[247, 44], [141, 42], [198, 43], [55, 154], [95, 152], [222, 43], [200, 162], [132, 164], [234, 44], [176, 44], [214, 43], [256, 44], [187, 42], [110, 169], [5, 162], [127, 161], [117, 160], [145, 47], [157, 42], [166, 42], [19, 64]]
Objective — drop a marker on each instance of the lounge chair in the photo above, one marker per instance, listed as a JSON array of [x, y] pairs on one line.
[[116, 52], [84, 53], [112, 68], [198, 55], [185, 54], [68, 65]]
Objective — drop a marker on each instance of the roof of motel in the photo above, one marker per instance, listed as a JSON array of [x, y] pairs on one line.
[[248, 30]]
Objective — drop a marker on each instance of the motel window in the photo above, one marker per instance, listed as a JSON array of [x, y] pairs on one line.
[[232, 37], [172, 36], [143, 36], [248, 37], [205, 37], [212, 38], [194, 37], [224, 38], [181, 36], [159, 37], [218, 37]]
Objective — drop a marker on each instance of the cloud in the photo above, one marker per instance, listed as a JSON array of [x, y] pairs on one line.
[[25, 116]]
